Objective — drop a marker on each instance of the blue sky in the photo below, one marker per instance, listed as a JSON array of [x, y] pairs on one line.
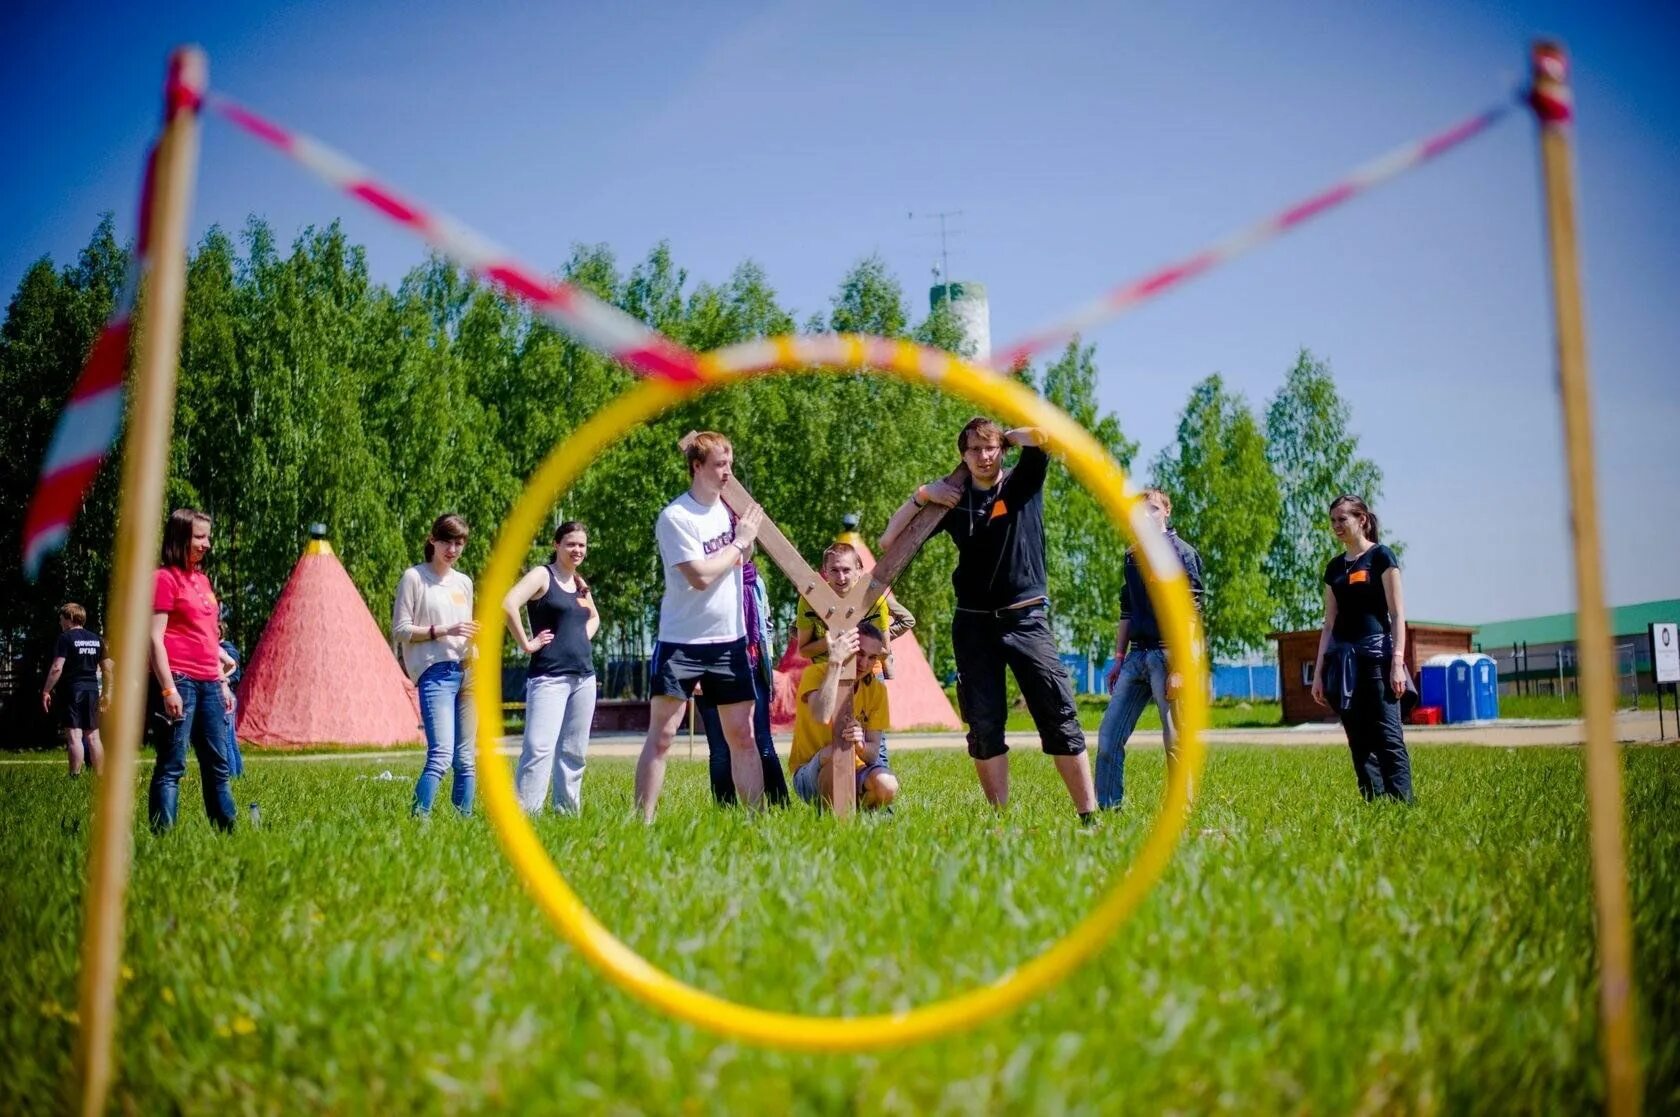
[[1085, 143]]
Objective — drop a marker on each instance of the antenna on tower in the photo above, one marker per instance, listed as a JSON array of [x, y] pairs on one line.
[[943, 271]]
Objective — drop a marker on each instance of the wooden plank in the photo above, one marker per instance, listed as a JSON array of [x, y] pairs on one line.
[[843, 769], [842, 614], [806, 581], [892, 562]]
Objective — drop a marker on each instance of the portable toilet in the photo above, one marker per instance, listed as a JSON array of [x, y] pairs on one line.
[[1484, 679], [1432, 683], [1461, 691], [1444, 682]]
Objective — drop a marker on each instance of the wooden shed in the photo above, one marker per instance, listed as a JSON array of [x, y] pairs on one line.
[[1298, 651]]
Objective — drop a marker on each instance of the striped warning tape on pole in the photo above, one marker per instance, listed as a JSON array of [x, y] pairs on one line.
[[87, 427], [569, 307], [1129, 295]]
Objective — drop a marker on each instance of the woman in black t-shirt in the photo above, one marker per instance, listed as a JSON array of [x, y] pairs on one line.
[[560, 682], [1361, 667]]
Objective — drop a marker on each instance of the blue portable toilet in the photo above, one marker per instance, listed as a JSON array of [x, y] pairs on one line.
[[1461, 691], [1444, 681], [1432, 683], [1484, 679]]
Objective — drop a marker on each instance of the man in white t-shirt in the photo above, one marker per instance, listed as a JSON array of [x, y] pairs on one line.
[[702, 631]]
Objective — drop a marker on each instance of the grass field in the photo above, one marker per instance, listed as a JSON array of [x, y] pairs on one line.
[[1226, 713], [1306, 952]]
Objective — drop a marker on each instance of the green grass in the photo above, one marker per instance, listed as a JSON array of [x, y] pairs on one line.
[[1225, 713], [1546, 707], [1305, 952]]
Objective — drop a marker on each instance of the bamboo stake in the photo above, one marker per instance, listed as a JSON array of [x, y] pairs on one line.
[[1553, 105], [145, 462]]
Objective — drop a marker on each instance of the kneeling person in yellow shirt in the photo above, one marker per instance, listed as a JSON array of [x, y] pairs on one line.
[[812, 757]]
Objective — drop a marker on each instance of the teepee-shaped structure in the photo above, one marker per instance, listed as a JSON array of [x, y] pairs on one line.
[[914, 695], [323, 672]]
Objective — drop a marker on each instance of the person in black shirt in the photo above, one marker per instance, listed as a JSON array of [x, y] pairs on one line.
[[79, 659], [1361, 666], [996, 520], [1140, 669]]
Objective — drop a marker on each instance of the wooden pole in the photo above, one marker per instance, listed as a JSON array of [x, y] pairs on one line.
[[145, 463], [842, 792], [1553, 105]]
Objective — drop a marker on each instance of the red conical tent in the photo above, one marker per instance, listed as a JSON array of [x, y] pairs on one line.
[[323, 672], [913, 694]]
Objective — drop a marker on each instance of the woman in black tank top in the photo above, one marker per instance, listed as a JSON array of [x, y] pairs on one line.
[[560, 680]]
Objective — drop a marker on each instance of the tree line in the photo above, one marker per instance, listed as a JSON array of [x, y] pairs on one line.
[[310, 392]]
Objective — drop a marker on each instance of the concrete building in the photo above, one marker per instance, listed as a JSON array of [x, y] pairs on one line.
[[968, 303]]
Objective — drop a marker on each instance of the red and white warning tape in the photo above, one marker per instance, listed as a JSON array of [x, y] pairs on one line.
[[87, 427], [90, 421], [573, 309], [1129, 295]]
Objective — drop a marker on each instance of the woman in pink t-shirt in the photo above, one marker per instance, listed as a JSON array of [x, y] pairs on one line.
[[187, 664]]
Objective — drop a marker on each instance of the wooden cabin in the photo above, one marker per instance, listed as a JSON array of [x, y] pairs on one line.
[[1298, 651]]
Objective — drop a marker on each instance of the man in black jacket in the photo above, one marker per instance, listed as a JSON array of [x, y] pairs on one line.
[[1140, 669], [996, 520]]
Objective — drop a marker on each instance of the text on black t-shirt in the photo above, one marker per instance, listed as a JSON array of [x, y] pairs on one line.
[[82, 653]]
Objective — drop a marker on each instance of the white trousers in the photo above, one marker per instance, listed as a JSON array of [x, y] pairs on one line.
[[558, 712]]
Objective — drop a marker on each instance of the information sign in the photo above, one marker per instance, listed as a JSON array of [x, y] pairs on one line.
[[1665, 652]]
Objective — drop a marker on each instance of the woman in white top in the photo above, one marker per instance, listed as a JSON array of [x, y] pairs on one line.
[[560, 682], [433, 625]]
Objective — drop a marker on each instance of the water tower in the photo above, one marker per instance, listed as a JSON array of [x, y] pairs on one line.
[[972, 311]]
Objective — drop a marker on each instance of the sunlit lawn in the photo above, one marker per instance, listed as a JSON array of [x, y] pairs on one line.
[[1305, 952]]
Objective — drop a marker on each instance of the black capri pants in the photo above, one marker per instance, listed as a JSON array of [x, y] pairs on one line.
[[1021, 640]]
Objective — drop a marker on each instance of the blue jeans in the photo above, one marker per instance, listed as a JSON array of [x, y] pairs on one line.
[[204, 722], [446, 710], [1143, 675], [235, 759], [717, 748]]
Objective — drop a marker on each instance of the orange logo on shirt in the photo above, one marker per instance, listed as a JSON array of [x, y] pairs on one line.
[[1359, 576], [998, 509]]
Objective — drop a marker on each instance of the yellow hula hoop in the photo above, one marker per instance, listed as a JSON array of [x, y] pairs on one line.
[[989, 392]]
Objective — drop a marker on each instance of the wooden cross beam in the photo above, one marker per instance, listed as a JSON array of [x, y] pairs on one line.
[[841, 614]]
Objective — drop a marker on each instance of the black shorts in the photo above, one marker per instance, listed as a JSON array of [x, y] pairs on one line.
[[722, 670], [81, 708], [1021, 641]]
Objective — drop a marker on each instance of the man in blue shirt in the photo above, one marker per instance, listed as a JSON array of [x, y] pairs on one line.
[[1140, 671]]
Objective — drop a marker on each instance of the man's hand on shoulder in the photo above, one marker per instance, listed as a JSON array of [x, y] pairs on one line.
[[941, 492]]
